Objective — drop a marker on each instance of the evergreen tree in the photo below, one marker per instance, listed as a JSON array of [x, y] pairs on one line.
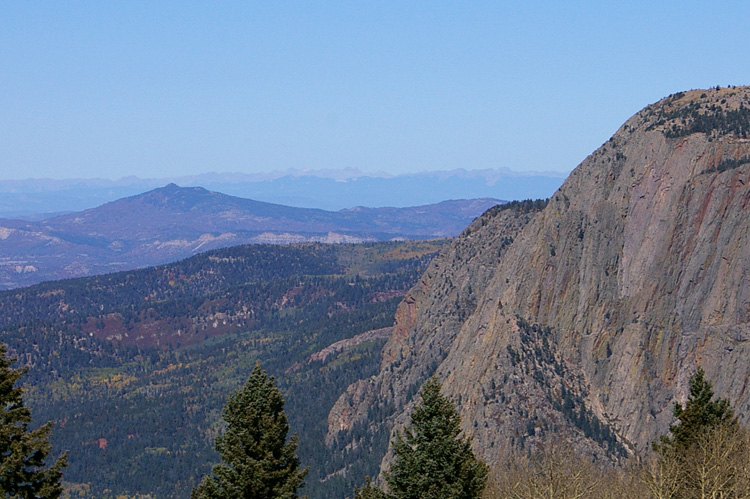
[[258, 462], [432, 461], [23, 452], [707, 452], [699, 415], [369, 491]]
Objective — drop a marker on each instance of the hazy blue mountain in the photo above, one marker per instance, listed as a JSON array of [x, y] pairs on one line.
[[36, 199], [170, 223]]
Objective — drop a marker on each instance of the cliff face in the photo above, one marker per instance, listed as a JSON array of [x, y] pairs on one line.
[[586, 320]]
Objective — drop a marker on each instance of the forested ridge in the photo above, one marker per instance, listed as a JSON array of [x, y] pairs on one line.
[[136, 365]]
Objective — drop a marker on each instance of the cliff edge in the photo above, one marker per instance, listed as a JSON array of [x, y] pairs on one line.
[[584, 320]]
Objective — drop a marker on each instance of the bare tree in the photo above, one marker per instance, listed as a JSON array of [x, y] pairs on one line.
[[660, 475], [717, 466], [557, 471]]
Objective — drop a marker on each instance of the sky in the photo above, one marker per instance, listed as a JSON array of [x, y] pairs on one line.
[[157, 89]]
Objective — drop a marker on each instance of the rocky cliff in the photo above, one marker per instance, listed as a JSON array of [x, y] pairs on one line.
[[585, 320]]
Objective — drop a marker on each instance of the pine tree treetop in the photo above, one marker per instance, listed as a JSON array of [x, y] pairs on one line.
[[24, 472], [432, 460], [258, 462], [699, 414]]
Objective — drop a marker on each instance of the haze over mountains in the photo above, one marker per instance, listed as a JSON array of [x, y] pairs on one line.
[[173, 222], [323, 189]]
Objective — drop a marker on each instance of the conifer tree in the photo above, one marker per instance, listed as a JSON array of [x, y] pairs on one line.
[[369, 491], [432, 461], [707, 454], [258, 462], [700, 414], [23, 452]]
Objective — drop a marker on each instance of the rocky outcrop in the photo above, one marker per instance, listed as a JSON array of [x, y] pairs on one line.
[[348, 343], [427, 322], [588, 323]]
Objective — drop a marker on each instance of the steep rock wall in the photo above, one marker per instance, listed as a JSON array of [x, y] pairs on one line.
[[589, 323]]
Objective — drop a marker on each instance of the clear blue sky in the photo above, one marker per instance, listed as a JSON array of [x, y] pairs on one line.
[[110, 89]]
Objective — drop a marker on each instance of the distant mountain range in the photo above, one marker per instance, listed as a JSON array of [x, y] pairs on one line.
[[173, 222], [35, 199]]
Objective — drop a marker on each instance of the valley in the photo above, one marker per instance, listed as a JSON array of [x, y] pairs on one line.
[[135, 366]]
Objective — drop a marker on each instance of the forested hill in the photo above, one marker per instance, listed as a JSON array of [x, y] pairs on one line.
[[136, 365]]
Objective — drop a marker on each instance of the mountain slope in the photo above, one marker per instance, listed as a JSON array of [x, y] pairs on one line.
[[170, 223], [135, 366], [590, 322]]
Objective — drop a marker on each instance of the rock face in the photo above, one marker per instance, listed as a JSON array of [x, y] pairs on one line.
[[586, 320]]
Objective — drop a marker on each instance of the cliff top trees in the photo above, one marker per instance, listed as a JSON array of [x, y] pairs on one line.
[[432, 461], [23, 452], [258, 462]]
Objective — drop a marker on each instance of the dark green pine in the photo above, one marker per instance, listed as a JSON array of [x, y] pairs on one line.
[[432, 460], [369, 491], [258, 462], [700, 414], [24, 452]]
